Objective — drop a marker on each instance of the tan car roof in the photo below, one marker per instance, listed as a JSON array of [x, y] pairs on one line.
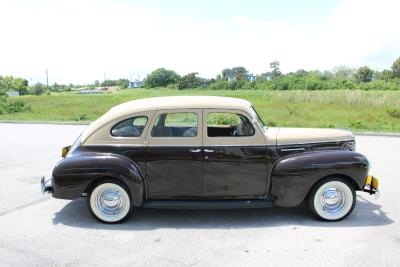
[[167, 102], [177, 102]]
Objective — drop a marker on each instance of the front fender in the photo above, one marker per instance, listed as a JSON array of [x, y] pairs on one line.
[[294, 175], [72, 175]]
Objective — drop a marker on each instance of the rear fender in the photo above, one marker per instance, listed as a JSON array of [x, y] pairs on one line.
[[74, 175], [294, 175]]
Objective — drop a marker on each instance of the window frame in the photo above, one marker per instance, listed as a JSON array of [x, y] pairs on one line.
[[165, 119], [258, 139], [176, 141], [235, 136]]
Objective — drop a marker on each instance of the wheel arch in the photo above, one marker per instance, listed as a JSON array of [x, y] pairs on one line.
[[76, 175], [336, 175]]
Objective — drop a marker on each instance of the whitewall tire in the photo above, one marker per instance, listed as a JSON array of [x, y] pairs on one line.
[[110, 202], [332, 199]]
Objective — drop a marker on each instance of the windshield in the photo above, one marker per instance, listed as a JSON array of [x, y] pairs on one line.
[[257, 118], [75, 145]]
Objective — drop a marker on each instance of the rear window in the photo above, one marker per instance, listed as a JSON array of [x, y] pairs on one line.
[[132, 127]]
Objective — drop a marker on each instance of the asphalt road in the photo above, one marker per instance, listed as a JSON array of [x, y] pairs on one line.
[[37, 230]]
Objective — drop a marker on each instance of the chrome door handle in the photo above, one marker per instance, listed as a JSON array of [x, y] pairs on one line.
[[198, 150], [209, 150]]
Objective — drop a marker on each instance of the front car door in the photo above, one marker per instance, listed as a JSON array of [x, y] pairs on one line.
[[174, 155], [235, 156]]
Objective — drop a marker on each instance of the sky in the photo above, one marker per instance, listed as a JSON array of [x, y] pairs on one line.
[[78, 41]]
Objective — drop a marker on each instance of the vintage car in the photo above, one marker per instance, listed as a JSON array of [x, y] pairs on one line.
[[207, 152]]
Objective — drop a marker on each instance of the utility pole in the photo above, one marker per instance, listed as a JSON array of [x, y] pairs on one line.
[[47, 80], [105, 78]]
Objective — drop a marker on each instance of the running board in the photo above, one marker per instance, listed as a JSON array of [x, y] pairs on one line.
[[207, 204]]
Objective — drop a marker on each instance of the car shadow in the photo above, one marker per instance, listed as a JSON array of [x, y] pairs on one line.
[[76, 214]]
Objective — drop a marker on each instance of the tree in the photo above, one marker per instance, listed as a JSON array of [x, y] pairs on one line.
[[189, 81], [225, 74], [240, 73], [161, 77], [364, 74], [38, 89], [396, 68], [20, 85], [343, 72], [7, 83], [301, 72], [384, 75], [275, 69], [2, 91], [123, 83], [236, 73]]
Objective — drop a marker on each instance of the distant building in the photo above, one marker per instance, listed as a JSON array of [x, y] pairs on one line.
[[13, 93], [251, 77], [267, 76], [135, 84]]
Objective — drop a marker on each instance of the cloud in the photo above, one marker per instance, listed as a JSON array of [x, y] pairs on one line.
[[78, 40]]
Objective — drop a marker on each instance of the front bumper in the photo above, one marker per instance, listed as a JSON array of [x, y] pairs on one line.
[[372, 186], [46, 186]]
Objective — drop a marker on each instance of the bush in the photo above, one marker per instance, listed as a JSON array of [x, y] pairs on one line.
[[161, 77], [393, 112], [220, 85], [38, 89], [82, 117], [13, 107]]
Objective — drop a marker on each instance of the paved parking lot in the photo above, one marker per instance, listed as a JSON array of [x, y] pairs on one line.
[[37, 230]]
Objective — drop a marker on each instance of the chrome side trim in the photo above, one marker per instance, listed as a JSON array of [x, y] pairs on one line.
[[311, 143], [293, 149], [114, 145]]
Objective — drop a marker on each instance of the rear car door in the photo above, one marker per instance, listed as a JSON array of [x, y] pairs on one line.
[[174, 155], [235, 156]]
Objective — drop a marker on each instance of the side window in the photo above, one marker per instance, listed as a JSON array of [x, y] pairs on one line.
[[132, 127], [180, 124], [224, 124]]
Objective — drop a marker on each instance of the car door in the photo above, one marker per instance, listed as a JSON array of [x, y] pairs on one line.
[[235, 156], [174, 155]]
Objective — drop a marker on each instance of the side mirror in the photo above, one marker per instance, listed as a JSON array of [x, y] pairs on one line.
[[65, 151]]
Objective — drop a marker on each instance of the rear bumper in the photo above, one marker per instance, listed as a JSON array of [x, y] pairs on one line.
[[46, 186]]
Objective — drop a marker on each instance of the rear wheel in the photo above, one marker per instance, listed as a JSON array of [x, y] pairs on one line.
[[332, 199], [110, 202]]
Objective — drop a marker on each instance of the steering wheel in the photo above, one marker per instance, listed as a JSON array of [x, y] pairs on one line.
[[234, 131]]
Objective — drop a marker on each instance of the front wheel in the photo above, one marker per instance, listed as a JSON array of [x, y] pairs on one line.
[[110, 202], [332, 199]]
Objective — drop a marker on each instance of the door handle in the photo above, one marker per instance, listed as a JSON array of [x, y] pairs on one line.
[[198, 150], [209, 150]]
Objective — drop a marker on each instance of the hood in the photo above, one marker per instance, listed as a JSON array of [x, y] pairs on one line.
[[287, 136]]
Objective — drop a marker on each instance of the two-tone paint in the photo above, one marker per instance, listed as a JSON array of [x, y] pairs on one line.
[[275, 165]]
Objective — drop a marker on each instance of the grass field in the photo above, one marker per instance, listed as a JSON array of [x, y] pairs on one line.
[[357, 110]]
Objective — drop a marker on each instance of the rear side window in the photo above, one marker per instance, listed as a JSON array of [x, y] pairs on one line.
[[132, 127], [180, 124]]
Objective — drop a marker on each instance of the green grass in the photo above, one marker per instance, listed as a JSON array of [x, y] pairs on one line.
[[357, 110]]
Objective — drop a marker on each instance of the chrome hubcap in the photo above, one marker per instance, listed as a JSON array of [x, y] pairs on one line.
[[110, 202], [333, 200]]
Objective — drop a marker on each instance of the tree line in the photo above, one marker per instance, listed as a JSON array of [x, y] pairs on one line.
[[341, 77]]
